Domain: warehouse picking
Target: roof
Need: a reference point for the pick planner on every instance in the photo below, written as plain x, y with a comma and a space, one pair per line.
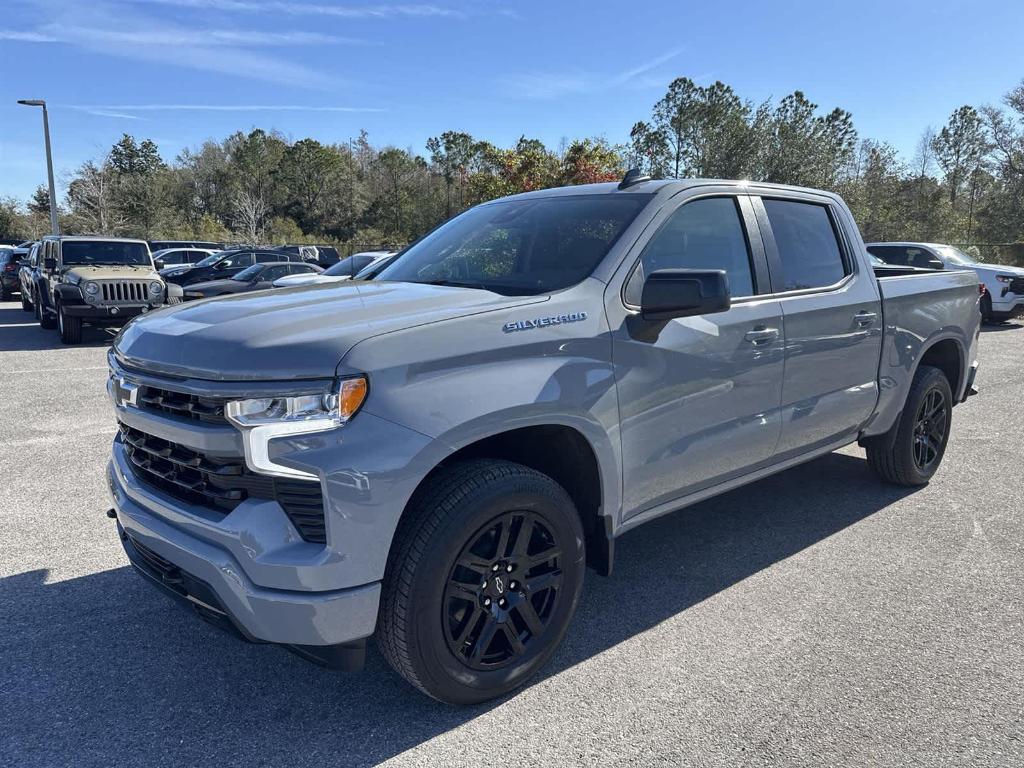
95, 238
909, 244
662, 187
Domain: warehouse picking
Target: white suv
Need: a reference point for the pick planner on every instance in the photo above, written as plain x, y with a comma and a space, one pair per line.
1004, 286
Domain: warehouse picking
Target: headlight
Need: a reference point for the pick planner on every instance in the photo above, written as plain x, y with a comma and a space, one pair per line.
92, 288
156, 288
1005, 278
262, 419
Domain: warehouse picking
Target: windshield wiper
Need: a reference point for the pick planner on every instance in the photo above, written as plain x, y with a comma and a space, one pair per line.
455, 284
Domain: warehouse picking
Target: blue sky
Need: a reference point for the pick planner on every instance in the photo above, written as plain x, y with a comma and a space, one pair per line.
181, 71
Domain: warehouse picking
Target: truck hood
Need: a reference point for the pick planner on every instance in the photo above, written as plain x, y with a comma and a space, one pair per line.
75, 273
999, 269
290, 333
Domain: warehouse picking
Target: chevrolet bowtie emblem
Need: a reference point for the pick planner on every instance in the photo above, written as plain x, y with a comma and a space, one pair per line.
126, 393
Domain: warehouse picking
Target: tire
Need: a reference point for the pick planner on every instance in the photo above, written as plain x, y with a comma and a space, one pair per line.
910, 453
26, 303
45, 321
70, 328
447, 617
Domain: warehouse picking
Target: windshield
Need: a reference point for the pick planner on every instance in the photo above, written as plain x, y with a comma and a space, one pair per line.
370, 272
956, 256
99, 252
249, 273
213, 258
346, 266
520, 247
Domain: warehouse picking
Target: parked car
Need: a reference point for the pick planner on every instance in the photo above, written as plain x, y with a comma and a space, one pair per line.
203, 245
99, 281
180, 257
222, 264
10, 261
258, 277
436, 455
28, 273
346, 269
1004, 286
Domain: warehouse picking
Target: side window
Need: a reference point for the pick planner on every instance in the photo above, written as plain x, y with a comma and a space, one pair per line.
702, 234
808, 248
890, 254
272, 273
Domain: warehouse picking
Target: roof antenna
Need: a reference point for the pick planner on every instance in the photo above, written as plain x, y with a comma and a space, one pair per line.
633, 176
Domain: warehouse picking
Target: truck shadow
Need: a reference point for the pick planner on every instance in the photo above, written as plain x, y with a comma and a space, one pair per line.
19, 332
102, 669
994, 328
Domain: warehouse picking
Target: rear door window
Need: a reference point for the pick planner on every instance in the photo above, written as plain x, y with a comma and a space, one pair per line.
808, 248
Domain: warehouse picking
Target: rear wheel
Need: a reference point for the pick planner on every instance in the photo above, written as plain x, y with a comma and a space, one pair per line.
70, 327
485, 574
26, 302
912, 450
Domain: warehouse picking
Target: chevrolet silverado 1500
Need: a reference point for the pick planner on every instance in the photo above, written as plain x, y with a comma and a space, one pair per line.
435, 456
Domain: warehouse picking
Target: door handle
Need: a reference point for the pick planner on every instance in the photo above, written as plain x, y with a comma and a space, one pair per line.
760, 336
864, 319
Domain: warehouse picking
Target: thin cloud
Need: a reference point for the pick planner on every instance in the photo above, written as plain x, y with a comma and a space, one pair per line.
27, 37
631, 74
126, 31
414, 10
549, 85
100, 112
182, 37
126, 108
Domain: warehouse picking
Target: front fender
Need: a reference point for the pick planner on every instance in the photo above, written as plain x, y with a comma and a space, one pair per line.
68, 294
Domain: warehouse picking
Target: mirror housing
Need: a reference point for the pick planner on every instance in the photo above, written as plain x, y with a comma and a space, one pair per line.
934, 263
50, 264
671, 293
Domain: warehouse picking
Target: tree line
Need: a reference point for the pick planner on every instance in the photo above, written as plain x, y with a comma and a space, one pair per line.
964, 184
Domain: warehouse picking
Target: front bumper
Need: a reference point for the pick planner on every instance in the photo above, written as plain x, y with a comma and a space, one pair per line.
212, 580
105, 315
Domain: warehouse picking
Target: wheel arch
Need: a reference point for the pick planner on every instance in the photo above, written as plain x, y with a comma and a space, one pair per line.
561, 451
948, 355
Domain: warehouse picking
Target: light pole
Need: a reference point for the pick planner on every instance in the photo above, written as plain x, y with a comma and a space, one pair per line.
54, 227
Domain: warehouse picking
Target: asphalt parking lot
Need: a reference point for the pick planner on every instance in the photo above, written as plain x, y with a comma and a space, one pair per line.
815, 618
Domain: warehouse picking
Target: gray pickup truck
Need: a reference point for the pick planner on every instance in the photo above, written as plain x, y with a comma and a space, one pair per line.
434, 457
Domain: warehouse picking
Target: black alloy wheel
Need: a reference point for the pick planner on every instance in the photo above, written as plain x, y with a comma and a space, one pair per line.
930, 429
502, 591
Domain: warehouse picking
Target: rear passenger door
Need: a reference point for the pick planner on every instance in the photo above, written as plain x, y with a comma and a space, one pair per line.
832, 318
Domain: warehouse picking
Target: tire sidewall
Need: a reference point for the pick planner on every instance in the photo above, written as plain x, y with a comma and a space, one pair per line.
442, 673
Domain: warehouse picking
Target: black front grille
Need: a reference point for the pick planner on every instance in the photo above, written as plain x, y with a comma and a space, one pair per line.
209, 409
125, 291
221, 484
1017, 285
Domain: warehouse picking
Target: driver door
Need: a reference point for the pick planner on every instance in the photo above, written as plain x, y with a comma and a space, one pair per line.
699, 397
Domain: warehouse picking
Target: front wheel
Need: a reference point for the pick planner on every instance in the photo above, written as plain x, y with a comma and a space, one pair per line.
45, 321
70, 327
911, 451
483, 579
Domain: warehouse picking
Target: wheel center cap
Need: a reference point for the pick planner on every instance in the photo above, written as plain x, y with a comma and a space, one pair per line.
499, 585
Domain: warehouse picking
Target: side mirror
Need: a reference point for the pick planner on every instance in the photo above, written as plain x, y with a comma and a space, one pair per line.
50, 264
934, 263
670, 293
